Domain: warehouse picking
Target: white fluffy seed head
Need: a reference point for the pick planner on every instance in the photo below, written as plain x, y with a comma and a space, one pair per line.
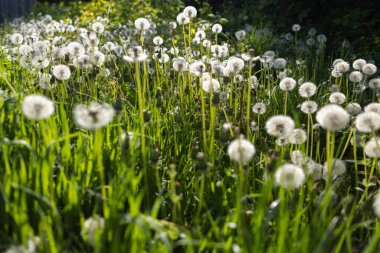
297, 136
289, 176
217, 28
210, 84
142, 24
367, 122
61, 72
182, 19
92, 226
75, 49
372, 107
307, 89
179, 64
372, 148
190, 12
98, 27
358, 64
333, 117
374, 83
337, 98
235, 64
279, 63
287, 84
37, 107
338, 168
240, 35
369, 69
314, 169
259, 108
296, 28
279, 125
355, 76
241, 150
309, 107
94, 116
299, 158
342, 67
158, 41
376, 205
16, 39
353, 108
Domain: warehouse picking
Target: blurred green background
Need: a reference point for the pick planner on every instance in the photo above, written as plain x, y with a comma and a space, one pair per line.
356, 23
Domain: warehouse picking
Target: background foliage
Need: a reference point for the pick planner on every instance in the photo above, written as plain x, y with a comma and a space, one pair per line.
354, 21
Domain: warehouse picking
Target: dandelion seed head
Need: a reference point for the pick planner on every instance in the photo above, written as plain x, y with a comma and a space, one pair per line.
374, 83
367, 122
98, 58
289, 176
279, 63
338, 168
75, 49
197, 68
342, 67
94, 116
355, 76
353, 109
44, 81
282, 141
333, 117
240, 35
312, 31
241, 150
299, 158
297, 136
296, 28
210, 84
190, 12
359, 64
307, 89
376, 205
98, 27
235, 64
314, 169
279, 125
37, 107
179, 64
309, 107
287, 84
217, 28
289, 36
158, 41
16, 39
135, 54
369, 69
372, 107
310, 42
40, 62
61, 72
372, 148
91, 226
182, 19
142, 24
337, 98
335, 73
26, 50
259, 108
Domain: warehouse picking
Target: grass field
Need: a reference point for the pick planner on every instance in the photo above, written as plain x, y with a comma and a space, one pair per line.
177, 136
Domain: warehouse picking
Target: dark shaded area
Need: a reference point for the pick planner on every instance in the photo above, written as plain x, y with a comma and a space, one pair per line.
356, 21
14, 8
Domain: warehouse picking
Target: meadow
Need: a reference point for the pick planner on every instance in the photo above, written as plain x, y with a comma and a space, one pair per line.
178, 136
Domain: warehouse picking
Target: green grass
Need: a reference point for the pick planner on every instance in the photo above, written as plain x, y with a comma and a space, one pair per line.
153, 188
